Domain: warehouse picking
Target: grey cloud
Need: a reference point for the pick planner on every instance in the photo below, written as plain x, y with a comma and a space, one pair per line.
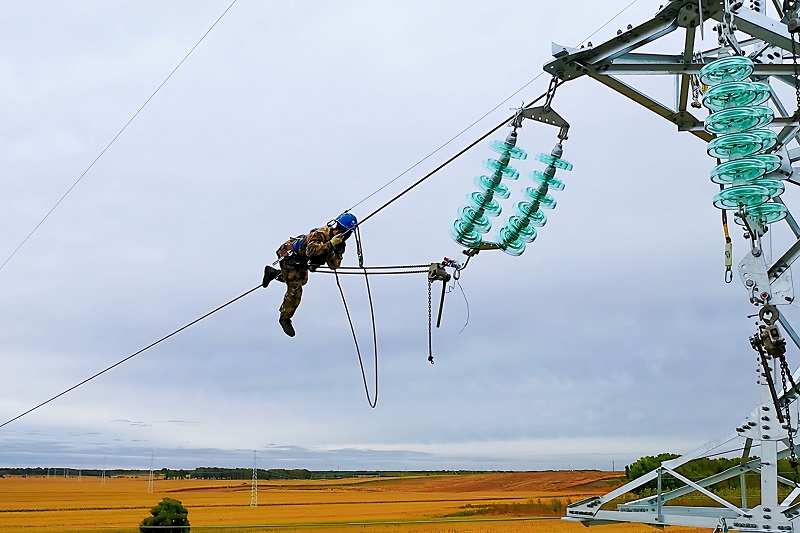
614, 324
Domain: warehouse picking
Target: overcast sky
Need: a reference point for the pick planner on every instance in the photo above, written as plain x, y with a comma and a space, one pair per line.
613, 336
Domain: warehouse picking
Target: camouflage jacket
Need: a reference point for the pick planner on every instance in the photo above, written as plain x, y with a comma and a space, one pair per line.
314, 248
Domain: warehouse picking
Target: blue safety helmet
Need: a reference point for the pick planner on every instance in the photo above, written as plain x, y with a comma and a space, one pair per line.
347, 221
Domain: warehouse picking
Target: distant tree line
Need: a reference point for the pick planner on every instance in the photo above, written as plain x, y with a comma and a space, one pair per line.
695, 470
71, 472
213, 472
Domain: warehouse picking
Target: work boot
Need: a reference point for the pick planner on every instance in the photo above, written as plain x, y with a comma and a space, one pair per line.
269, 274
286, 324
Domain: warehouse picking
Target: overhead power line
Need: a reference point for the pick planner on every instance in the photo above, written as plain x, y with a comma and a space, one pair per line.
131, 356
373, 213
96, 159
460, 133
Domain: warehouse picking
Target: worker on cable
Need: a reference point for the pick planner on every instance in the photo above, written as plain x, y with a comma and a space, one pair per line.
300, 254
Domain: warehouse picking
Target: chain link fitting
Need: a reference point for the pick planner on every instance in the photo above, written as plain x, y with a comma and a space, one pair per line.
430, 320
771, 345
794, 71
551, 92
787, 414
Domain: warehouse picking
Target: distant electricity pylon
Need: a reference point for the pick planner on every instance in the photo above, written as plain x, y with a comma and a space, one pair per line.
254, 490
103, 475
150, 481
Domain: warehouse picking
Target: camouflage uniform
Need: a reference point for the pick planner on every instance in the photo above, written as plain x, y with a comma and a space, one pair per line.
316, 249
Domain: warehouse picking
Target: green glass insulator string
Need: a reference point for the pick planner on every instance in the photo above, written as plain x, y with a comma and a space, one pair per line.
520, 229
472, 221
740, 123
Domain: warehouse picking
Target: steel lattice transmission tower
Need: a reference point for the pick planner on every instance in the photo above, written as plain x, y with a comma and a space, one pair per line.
765, 35
254, 489
151, 480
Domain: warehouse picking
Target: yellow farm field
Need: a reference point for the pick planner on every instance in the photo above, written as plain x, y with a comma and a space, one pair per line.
502, 502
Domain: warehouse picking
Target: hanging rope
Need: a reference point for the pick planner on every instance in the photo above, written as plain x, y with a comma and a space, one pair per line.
120, 132
440, 167
466, 302
506, 121
372, 402
162, 339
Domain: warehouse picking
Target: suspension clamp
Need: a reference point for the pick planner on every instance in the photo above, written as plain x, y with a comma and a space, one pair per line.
544, 113
774, 343
516, 122
551, 92
791, 17
727, 29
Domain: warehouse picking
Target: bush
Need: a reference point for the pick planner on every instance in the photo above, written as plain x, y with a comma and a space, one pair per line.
168, 512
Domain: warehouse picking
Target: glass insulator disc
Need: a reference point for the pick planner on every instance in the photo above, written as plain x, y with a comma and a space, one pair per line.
479, 200
746, 169
555, 161
738, 119
763, 91
735, 68
471, 217
545, 200
510, 245
503, 148
521, 227
464, 235
730, 94
746, 195
774, 187
771, 161
509, 173
486, 184
768, 138
535, 218
552, 182
735, 145
769, 212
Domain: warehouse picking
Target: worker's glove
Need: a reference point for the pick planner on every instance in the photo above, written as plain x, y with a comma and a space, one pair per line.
337, 240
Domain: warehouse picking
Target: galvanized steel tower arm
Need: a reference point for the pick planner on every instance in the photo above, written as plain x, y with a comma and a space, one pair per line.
767, 44
571, 63
617, 56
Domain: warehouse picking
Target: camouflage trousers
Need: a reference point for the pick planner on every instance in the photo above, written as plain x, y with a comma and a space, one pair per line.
294, 277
